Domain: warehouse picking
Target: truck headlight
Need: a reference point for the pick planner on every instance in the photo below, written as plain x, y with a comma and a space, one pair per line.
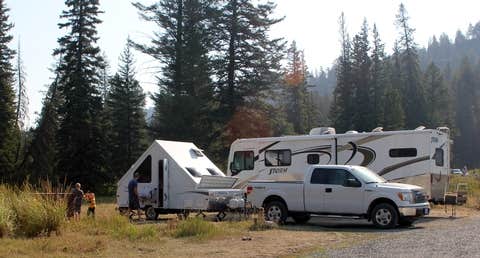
406, 196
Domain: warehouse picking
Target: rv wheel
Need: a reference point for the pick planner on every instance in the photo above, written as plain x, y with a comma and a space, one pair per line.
276, 211
150, 213
384, 216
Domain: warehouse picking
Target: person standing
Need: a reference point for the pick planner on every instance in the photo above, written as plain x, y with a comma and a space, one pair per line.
90, 197
77, 200
133, 200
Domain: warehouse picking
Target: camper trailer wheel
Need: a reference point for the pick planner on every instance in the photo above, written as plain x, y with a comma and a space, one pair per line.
384, 216
151, 213
276, 211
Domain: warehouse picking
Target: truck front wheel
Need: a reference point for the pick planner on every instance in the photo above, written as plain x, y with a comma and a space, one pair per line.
384, 216
276, 211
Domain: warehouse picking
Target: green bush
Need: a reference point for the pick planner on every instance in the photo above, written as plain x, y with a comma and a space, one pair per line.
195, 227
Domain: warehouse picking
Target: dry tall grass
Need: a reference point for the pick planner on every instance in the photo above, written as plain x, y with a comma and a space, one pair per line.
473, 182
24, 212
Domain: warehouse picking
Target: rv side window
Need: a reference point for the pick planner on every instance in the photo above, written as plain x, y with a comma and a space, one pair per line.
145, 170
439, 157
243, 160
313, 159
278, 158
403, 152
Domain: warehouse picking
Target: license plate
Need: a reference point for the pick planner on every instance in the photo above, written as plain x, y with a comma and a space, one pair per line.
426, 211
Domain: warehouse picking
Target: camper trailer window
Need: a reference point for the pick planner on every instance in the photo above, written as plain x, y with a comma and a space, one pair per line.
145, 170
278, 158
243, 160
213, 172
194, 172
439, 157
403, 152
313, 159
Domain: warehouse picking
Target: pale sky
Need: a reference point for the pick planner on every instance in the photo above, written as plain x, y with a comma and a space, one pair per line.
312, 23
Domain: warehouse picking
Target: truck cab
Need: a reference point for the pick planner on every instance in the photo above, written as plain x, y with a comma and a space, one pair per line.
342, 191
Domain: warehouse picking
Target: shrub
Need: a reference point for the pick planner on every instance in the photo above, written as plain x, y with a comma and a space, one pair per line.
25, 213
195, 227
6, 223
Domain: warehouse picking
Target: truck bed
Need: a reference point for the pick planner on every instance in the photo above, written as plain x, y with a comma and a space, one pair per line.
290, 191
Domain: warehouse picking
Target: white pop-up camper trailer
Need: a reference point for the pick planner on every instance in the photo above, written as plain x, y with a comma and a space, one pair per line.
176, 177
419, 156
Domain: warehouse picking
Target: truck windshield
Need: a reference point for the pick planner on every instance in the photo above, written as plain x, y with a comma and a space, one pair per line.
369, 176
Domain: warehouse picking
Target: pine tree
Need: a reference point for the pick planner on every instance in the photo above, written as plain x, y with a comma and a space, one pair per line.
393, 115
296, 93
21, 116
465, 149
438, 101
361, 62
8, 128
185, 87
413, 92
125, 104
379, 79
42, 159
248, 61
80, 138
343, 105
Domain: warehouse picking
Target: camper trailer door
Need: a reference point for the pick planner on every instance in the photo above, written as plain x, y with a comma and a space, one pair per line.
162, 193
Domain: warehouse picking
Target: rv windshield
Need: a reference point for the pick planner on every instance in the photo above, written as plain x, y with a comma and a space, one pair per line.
369, 176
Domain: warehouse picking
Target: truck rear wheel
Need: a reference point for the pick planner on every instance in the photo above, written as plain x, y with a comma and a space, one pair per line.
384, 216
301, 218
276, 211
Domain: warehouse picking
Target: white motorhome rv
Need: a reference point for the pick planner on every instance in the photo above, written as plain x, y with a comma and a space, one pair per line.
176, 177
419, 157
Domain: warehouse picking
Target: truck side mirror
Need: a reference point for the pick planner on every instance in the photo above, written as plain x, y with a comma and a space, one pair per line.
352, 182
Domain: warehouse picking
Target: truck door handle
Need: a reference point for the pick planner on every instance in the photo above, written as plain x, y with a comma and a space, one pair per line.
328, 190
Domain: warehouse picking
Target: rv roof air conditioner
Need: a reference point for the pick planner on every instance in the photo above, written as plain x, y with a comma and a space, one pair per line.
420, 128
377, 129
351, 131
443, 129
322, 130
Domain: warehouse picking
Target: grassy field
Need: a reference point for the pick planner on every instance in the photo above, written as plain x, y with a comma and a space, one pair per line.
112, 235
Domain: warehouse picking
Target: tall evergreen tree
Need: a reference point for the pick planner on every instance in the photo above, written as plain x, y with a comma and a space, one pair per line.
413, 90
465, 149
297, 97
21, 116
343, 107
185, 87
8, 128
379, 79
248, 61
438, 97
361, 62
41, 156
80, 138
125, 104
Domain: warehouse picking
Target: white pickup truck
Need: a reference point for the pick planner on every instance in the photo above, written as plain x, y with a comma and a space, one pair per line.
340, 190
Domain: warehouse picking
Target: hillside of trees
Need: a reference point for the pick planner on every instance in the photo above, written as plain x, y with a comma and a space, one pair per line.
223, 77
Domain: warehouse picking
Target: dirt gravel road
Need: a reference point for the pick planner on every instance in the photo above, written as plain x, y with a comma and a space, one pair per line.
431, 237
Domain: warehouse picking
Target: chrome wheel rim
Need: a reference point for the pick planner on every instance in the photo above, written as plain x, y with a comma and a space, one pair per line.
274, 213
383, 217
151, 213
